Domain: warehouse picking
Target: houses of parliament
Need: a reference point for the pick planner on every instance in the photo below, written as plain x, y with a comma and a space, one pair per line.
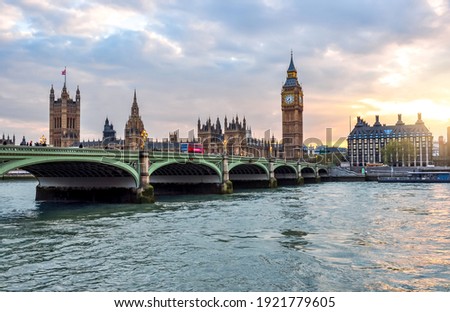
233, 138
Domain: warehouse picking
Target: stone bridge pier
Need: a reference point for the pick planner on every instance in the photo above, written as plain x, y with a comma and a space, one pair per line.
145, 192
227, 186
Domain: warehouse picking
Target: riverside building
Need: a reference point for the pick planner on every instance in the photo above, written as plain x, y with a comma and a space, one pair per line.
134, 127
444, 150
234, 138
398, 145
64, 120
292, 114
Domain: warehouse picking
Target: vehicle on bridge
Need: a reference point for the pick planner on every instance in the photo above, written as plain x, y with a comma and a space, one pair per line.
191, 148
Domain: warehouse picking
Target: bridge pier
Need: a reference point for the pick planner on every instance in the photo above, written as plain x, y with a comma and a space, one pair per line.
300, 179
272, 180
318, 178
145, 192
227, 186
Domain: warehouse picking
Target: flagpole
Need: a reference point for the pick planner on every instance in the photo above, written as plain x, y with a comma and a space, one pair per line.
65, 75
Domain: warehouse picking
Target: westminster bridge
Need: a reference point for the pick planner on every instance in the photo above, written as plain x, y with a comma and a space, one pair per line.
135, 176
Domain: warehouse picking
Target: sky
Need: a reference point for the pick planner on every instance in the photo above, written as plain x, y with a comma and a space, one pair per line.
204, 58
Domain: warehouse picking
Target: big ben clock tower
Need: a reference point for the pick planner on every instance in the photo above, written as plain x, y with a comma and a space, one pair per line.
292, 114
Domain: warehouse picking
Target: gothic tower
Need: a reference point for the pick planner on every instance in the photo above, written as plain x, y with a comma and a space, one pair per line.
292, 114
134, 127
235, 136
64, 122
210, 135
109, 134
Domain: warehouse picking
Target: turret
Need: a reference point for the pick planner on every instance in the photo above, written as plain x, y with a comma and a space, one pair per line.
64, 93
291, 79
134, 107
292, 72
52, 95
78, 94
218, 126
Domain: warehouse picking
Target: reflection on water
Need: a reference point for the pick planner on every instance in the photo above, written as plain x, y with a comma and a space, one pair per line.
325, 237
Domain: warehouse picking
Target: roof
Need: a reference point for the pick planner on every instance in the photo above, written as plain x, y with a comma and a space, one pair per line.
364, 130
291, 64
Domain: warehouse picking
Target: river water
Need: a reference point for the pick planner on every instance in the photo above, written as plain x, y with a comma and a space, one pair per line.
360, 236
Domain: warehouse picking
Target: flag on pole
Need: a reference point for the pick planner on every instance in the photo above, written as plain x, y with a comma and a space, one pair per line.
63, 72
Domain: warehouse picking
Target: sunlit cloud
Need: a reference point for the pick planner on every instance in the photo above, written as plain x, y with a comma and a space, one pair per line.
401, 63
12, 23
100, 21
155, 40
190, 59
440, 7
431, 110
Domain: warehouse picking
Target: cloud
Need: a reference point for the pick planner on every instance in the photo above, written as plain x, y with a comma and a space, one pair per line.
190, 59
12, 23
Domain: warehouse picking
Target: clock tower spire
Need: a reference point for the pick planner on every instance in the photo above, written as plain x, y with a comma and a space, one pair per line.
292, 114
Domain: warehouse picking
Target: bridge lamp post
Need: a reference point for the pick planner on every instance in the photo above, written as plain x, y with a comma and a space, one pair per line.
225, 147
144, 136
145, 193
43, 141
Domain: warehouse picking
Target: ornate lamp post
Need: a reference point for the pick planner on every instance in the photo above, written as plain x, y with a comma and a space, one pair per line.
144, 136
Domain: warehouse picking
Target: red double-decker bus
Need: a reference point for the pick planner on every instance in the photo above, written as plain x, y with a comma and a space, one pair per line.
191, 148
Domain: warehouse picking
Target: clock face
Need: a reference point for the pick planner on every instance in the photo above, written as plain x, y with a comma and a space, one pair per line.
289, 99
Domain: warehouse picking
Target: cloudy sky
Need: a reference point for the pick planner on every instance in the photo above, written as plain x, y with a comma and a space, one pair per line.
205, 58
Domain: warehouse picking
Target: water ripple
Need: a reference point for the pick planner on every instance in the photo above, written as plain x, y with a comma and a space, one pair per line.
325, 237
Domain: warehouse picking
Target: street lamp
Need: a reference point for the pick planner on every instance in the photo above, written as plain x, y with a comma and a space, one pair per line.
144, 136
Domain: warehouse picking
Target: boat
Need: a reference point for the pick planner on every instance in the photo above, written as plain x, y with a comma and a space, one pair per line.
419, 177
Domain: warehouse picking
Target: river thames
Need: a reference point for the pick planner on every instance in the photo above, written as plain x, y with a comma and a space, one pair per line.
360, 236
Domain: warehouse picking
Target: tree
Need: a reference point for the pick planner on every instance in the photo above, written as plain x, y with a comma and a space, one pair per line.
398, 153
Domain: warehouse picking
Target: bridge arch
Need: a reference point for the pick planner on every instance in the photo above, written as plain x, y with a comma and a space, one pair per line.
285, 172
308, 172
184, 172
323, 172
246, 171
76, 172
